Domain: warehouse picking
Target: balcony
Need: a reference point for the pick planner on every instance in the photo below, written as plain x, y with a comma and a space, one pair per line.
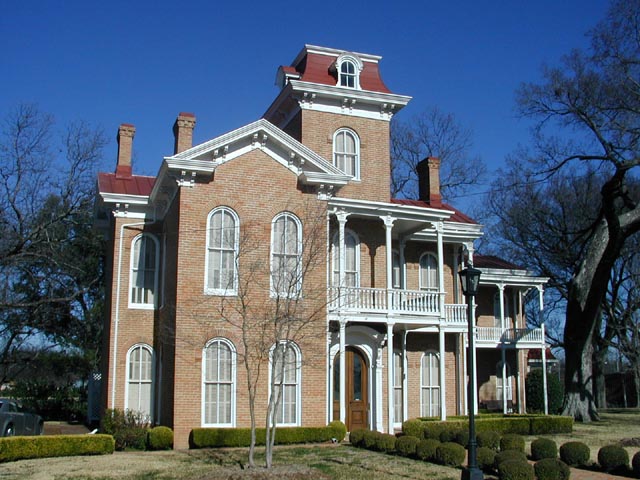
523, 337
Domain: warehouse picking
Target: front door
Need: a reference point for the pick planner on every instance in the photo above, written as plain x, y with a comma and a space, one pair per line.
357, 387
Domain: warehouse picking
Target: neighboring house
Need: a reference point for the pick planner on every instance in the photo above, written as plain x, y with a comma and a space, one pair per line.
387, 337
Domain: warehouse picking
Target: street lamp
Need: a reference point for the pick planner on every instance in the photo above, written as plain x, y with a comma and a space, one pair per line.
470, 280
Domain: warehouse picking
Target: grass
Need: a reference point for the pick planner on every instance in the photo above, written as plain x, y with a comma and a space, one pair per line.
340, 462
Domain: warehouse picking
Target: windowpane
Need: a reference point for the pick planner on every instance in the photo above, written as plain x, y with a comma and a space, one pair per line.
430, 385
218, 383
285, 255
221, 250
351, 267
345, 152
143, 270
286, 382
139, 382
428, 272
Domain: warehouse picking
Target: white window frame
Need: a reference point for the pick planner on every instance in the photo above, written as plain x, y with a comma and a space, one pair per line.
234, 288
335, 258
298, 383
140, 305
292, 293
398, 386
421, 269
355, 76
232, 348
355, 154
499, 385
139, 382
430, 410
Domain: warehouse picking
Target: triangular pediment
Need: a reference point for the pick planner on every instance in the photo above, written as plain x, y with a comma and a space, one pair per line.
307, 165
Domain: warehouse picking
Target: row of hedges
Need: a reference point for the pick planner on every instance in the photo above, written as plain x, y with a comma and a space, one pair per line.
131, 431
523, 425
19, 448
241, 437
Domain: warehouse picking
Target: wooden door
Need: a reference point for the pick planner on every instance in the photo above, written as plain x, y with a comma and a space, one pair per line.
357, 386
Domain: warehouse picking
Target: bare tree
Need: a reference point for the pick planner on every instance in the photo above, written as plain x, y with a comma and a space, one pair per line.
49, 256
434, 133
593, 99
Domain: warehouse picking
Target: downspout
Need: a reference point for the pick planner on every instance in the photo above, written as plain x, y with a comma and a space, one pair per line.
116, 319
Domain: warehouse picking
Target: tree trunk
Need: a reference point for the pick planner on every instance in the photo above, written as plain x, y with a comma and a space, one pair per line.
600, 390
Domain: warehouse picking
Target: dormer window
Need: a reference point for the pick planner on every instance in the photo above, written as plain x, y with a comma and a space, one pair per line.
348, 69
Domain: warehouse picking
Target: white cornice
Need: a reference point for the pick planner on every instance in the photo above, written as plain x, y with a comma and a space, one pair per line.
366, 96
123, 198
334, 52
404, 212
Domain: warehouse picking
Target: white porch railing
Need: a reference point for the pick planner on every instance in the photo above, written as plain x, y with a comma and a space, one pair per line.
509, 335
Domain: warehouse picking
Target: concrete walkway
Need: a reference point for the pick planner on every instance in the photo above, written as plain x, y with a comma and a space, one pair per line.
64, 428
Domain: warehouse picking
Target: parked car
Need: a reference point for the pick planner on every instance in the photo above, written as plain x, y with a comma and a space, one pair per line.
14, 420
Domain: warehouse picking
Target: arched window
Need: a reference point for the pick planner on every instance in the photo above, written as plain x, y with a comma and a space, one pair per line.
144, 271
285, 379
398, 376
348, 68
430, 385
351, 259
139, 389
428, 272
286, 255
218, 383
223, 228
346, 152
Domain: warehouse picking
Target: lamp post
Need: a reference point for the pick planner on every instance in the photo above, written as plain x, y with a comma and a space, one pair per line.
469, 280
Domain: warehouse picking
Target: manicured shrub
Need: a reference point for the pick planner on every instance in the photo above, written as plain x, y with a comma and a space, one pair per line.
486, 458
426, 449
450, 454
635, 464
535, 392
515, 470
384, 442
356, 437
338, 430
551, 469
160, 438
575, 454
128, 428
549, 424
407, 445
370, 438
613, 458
414, 428
489, 439
543, 448
508, 455
512, 441
241, 437
18, 448
462, 438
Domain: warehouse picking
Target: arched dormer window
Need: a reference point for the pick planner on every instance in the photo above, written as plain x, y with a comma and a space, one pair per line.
346, 152
145, 254
348, 68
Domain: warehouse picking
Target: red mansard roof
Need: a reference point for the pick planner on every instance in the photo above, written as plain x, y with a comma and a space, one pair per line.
125, 185
456, 217
491, 261
316, 68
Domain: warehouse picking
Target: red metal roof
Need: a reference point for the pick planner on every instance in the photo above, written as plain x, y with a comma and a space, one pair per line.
316, 68
491, 261
456, 217
125, 185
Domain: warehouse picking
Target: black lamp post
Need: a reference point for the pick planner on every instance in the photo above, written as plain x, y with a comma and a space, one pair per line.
470, 280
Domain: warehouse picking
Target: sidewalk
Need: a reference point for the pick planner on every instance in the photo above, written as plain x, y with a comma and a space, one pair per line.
578, 474
64, 428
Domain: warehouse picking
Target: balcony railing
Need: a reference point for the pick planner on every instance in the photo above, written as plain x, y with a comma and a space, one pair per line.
508, 335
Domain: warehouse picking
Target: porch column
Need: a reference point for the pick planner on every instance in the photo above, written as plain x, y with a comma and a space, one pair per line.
442, 379
403, 267
390, 376
503, 373
342, 221
518, 381
439, 235
343, 372
544, 374
405, 382
388, 226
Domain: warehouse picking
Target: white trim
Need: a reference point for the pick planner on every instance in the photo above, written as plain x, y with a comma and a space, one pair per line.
296, 349
136, 305
149, 349
203, 367
234, 289
397, 420
298, 273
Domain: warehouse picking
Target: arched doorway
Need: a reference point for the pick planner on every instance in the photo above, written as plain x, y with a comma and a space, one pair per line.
357, 389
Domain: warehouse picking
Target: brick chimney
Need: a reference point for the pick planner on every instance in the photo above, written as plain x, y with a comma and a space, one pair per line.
125, 136
183, 132
428, 171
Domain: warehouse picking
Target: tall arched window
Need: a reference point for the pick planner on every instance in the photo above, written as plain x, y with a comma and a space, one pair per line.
286, 255
346, 152
218, 383
503, 388
222, 250
139, 390
430, 385
285, 373
351, 259
428, 272
144, 271
398, 376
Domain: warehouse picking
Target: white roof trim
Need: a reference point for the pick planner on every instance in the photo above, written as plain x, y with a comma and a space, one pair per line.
400, 212
367, 96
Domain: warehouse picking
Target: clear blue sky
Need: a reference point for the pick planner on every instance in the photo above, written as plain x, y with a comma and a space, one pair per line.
142, 62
